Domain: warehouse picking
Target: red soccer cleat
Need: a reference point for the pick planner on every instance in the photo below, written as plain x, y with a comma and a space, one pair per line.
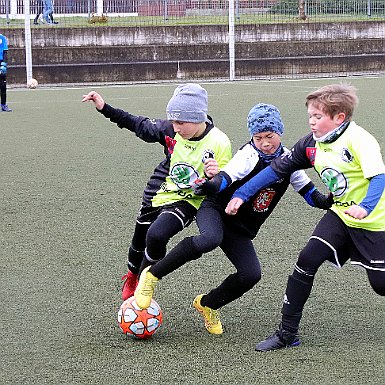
129, 285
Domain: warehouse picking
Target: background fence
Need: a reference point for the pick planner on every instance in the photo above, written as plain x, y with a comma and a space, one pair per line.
147, 40
150, 12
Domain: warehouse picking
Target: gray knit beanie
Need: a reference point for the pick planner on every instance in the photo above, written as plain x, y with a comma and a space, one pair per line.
188, 104
264, 117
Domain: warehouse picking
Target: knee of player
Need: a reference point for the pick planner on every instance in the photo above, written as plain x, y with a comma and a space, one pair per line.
249, 278
306, 255
207, 242
155, 237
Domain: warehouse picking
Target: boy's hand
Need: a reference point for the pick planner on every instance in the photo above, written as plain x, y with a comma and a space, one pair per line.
3, 68
233, 206
357, 212
203, 186
211, 167
321, 201
94, 97
198, 186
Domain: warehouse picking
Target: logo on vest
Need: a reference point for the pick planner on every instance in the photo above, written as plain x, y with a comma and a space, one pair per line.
262, 202
183, 175
334, 181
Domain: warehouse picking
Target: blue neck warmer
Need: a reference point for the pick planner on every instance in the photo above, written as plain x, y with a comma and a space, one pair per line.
268, 158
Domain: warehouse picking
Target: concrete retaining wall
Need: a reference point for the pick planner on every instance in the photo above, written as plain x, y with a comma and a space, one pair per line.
126, 54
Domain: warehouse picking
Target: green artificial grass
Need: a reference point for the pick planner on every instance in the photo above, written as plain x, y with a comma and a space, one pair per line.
71, 185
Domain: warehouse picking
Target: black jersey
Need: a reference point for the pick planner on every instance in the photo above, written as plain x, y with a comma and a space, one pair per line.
150, 131
252, 214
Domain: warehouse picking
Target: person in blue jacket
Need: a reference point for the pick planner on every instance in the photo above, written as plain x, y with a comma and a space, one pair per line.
3, 73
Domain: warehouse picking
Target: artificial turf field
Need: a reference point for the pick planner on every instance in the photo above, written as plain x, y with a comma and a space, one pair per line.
71, 185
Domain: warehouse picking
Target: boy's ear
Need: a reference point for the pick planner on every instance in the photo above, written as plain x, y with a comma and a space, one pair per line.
340, 117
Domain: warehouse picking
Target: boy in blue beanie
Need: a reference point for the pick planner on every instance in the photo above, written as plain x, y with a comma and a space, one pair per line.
235, 234
189, 138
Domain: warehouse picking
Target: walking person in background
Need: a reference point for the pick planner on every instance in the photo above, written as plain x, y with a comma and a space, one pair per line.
40, 11
348, 159
47, 11
3, 73
70, 6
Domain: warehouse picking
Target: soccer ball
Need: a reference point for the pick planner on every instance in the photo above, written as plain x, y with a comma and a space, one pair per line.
137, 322
32, 83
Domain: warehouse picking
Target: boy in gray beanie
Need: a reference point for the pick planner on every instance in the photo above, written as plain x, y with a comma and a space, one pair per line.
189, 139
234, 234
188, 104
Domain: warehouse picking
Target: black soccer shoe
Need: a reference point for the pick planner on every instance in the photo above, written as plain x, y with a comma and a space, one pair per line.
279, 340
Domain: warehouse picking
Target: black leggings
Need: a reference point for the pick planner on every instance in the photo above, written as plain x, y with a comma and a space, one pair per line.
159, 233
155, 226
300, 283
315, 253
153, 238
238, 248
3, 88
210, 224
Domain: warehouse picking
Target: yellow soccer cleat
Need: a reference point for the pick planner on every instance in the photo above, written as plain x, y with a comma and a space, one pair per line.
212, 322
145, 289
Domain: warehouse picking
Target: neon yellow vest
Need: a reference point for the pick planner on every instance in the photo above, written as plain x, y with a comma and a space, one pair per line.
345, 167
187, 164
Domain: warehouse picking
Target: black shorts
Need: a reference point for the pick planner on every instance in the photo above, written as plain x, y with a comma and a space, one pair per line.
363, 247
183, 210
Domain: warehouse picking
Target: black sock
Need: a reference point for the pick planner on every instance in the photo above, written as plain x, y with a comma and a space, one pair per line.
296, 295
145, 263
134, 260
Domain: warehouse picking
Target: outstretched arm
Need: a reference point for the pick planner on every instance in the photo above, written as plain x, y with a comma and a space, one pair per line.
263, 179
93, 96
239, 166
214, 185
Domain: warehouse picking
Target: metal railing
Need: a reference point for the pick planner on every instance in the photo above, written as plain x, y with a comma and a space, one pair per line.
151, 12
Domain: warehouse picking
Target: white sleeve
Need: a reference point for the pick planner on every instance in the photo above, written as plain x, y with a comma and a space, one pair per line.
299, 179
242, 163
